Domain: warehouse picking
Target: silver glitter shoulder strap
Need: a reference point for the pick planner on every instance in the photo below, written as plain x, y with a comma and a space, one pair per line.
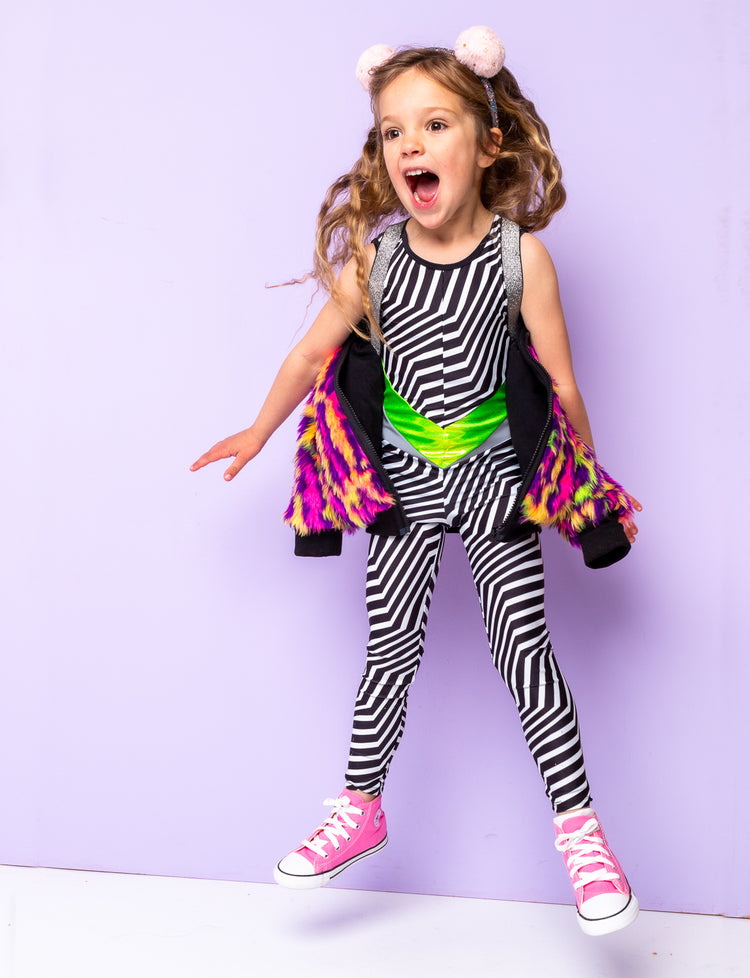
383, 256
510, 245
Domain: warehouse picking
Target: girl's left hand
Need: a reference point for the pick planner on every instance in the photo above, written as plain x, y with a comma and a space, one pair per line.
628, 522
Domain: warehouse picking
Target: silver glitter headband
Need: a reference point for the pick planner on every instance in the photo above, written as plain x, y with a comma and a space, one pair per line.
487, 87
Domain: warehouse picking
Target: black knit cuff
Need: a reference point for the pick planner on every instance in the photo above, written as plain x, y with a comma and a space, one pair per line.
325, 544
604, 544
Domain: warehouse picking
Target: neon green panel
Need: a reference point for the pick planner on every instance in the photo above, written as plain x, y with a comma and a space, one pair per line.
444, 446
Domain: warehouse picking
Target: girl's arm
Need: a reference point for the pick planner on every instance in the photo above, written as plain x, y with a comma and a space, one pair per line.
295, 377
543, 316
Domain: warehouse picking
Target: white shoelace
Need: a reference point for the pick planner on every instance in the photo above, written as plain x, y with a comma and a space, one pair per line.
335, 826
581, 848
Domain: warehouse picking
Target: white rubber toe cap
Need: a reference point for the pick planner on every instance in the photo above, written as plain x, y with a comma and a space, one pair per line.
297, 873
607, 913
604, 905
296, 865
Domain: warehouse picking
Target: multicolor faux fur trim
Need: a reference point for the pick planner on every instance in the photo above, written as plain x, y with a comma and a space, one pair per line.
335, 486
571, 491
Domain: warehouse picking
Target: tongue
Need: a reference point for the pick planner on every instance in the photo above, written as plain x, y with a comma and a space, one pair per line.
427, 186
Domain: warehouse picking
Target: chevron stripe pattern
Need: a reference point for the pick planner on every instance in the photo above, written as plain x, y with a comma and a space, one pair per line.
509, 579
430, 493
510, 582
446, 347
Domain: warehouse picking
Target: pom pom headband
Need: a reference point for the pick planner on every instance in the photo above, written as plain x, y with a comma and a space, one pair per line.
479, 48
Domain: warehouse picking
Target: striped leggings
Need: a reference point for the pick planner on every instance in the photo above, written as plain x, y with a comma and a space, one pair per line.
509, 578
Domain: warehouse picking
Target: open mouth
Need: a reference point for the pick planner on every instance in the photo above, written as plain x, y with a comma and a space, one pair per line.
423, 185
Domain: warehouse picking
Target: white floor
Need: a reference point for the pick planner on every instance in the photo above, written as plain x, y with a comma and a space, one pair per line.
66, 924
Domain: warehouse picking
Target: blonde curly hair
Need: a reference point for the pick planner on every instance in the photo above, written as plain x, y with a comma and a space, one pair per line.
523, 184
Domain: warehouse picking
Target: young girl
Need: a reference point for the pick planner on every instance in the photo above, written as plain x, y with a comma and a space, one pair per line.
436, 388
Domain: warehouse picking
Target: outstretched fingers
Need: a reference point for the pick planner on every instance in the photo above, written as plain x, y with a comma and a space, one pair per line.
628, 523
241, 447
240, 461
212, 455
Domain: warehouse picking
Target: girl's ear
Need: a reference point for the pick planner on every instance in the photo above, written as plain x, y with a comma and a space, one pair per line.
491, 148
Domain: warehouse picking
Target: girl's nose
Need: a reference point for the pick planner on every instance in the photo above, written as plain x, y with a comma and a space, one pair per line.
411, 145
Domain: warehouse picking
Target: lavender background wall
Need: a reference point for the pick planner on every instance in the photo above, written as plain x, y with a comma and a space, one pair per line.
176, 686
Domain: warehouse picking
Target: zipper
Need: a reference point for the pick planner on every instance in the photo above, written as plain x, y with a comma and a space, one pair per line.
369, 449
536, 458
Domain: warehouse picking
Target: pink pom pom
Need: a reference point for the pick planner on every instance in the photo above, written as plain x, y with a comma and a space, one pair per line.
481, 50
370, 59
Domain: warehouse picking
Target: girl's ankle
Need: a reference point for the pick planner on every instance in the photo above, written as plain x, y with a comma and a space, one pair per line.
367, 798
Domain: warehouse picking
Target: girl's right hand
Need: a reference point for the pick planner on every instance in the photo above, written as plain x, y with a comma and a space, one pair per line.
296, 377
242, 447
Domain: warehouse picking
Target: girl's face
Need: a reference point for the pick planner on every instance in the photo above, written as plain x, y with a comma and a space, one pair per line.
431, 152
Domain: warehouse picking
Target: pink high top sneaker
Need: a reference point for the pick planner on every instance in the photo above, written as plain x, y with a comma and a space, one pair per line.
354, 829
603, 896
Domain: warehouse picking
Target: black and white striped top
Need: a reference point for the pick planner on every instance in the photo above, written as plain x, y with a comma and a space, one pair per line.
445, 329
446, 332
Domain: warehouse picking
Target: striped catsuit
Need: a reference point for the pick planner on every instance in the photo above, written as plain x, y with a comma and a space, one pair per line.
445, 328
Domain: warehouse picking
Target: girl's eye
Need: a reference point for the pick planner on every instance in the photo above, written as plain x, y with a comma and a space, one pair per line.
390, 134
435, 126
